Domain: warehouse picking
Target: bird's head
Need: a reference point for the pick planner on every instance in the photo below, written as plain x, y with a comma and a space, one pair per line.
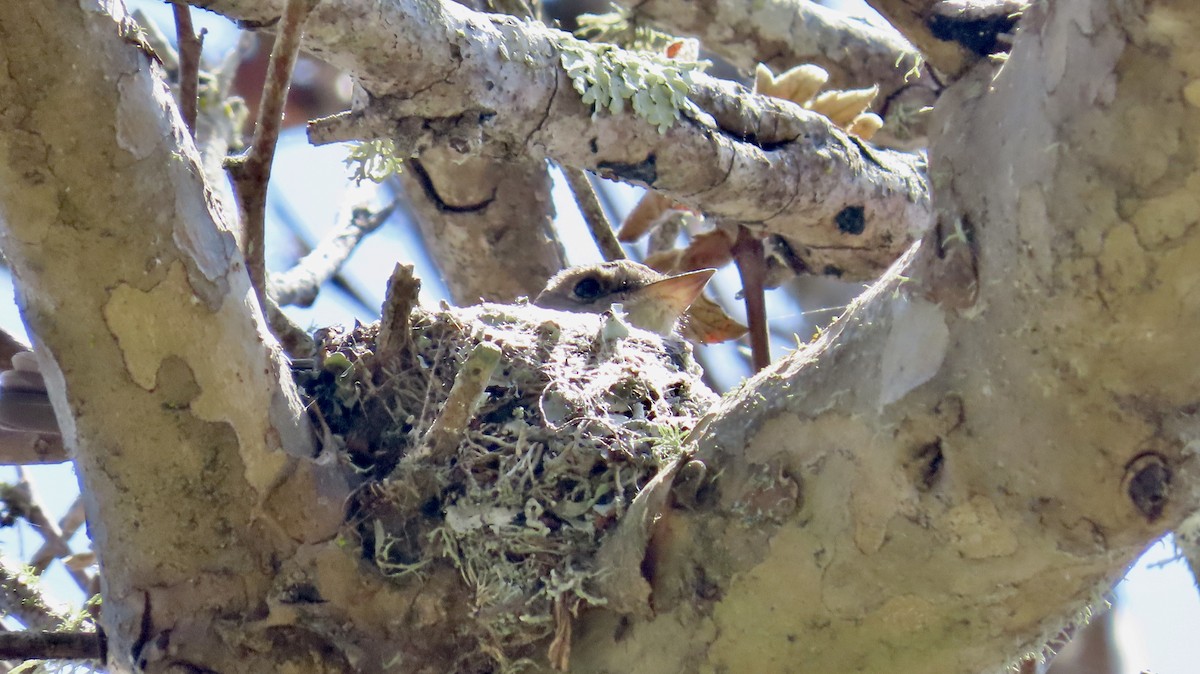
652, 301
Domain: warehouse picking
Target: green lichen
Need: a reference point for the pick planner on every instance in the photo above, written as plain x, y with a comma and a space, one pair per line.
623, 28
374, 160
607, 78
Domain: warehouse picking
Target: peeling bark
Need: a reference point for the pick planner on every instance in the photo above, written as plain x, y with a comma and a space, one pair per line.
186, 431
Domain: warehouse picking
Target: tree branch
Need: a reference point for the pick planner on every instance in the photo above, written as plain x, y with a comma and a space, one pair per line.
51, 645
163, 378
23, 499
252, 172
787, 33
487, 223
22, 600
847, 208
953, 34
190, 47
67, 526
593, 214
300, 284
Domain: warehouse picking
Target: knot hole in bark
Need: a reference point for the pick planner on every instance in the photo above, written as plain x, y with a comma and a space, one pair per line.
1148, 484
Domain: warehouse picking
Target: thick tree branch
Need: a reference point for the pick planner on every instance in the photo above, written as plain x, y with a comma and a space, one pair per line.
182, 419
787, 33
954, 34
848, 209
487, 223
972, 479
20, 448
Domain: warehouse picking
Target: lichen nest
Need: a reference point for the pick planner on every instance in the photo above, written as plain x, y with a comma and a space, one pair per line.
578, 416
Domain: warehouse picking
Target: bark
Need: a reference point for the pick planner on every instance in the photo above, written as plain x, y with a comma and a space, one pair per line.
179, 413
487, 223
955, 469
787, 33
973, 479
848, 209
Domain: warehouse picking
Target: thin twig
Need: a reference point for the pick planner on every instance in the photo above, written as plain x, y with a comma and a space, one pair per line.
32, 512
52, 645
593, 213
67, 526
299, 285
296, 342
21, 599
190, 46
252, 171
752, 267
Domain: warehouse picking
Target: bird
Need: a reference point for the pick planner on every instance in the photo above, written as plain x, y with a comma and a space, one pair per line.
651, 300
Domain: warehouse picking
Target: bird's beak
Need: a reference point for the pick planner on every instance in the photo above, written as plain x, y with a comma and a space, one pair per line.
677, 293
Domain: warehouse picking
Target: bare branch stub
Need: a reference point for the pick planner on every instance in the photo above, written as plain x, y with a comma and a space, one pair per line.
447, 430
402, 292
252, 171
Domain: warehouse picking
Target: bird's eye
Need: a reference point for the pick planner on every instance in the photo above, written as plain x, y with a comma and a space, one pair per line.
588, 289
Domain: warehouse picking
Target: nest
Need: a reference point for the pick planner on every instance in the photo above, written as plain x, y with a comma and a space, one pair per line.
509, 442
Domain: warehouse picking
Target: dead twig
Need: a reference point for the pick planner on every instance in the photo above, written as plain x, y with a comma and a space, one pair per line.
593, 213
448, 428
751, 265
252, 171
401, 297
299, 285
52, 645
190, 46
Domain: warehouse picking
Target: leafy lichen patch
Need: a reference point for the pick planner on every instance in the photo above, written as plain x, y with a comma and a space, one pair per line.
608, 78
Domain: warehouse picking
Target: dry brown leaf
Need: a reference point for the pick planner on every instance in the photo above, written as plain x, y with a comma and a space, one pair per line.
707, 323
710, 249
842, 106
798, 84
643, 216
866, 125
